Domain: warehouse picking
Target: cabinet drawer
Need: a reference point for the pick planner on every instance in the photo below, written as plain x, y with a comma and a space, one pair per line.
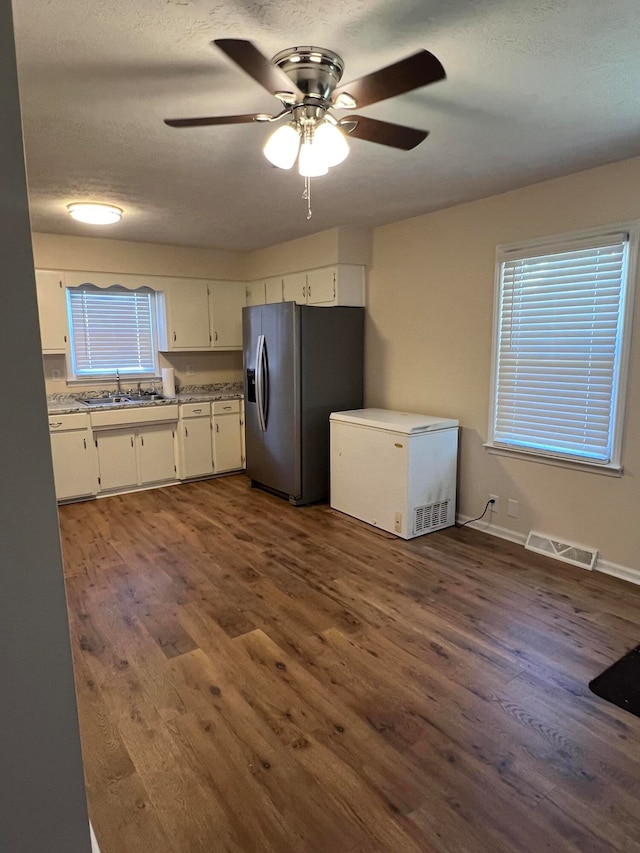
79, 420
223, 407
195, 410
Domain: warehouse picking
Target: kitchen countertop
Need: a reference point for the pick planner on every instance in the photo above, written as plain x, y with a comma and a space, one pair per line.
62, 404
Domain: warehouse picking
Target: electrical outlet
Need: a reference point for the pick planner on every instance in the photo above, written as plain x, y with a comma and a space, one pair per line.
494, 506
512, 508
397, 525
190, 370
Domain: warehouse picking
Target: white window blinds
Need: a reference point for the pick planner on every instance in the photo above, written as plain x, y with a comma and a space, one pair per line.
111, 330
558, 347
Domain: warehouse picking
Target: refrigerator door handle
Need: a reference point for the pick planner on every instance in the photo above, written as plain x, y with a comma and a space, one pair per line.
260, 382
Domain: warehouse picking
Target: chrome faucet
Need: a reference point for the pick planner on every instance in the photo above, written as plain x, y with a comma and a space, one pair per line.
118, 386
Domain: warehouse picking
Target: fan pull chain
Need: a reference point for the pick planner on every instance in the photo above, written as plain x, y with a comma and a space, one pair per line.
307, 195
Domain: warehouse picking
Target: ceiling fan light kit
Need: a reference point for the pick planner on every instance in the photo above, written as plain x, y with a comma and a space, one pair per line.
95, 213
305, 81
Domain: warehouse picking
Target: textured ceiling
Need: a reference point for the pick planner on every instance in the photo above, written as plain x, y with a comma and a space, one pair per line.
535, 89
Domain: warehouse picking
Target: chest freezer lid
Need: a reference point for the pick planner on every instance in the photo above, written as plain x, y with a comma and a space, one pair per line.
408, 423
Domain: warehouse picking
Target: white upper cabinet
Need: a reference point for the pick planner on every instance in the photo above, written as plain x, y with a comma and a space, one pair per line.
255, 293
226, 301
342, 284
273, 288
183, 316
294, 287
52, 310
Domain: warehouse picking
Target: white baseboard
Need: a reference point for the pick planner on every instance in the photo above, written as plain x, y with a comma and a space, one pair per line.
94, 843
625, 573
493, 529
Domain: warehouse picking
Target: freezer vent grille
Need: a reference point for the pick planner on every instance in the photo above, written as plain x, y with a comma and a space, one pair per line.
431, 516
585, 558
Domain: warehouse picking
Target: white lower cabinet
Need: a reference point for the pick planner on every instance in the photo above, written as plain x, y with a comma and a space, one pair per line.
227, 436
117, 459
210, 438
156, 454
73, 454
195, 456
128, 458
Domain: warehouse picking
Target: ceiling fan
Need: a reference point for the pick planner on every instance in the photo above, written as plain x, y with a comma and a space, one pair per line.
305, 80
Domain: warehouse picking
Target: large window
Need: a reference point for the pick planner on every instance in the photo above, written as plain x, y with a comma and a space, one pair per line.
560, 349
111, 330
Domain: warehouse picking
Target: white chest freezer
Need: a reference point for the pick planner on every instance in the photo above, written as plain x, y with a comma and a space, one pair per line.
395, 470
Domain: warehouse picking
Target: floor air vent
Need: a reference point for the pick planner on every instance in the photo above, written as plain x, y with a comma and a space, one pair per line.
431, 516
577, 555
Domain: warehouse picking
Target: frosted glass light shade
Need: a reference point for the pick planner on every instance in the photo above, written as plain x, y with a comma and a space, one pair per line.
281, 148
95, 214
312, 162
332, 142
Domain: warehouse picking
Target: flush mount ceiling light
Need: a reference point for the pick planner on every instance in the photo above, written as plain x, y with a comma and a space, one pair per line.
305, 81
94, 213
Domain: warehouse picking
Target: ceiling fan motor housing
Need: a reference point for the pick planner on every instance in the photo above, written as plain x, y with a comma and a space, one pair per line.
316, 71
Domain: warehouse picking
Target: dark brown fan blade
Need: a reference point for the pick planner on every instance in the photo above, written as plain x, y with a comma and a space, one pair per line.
411, 73
256, 65
203, 122
383, 132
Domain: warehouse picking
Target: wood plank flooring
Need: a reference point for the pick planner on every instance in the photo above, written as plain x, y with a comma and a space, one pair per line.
254, 677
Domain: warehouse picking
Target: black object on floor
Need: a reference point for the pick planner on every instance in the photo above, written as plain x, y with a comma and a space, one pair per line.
620, 683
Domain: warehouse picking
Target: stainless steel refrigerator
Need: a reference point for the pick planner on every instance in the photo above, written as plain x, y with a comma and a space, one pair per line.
301, 362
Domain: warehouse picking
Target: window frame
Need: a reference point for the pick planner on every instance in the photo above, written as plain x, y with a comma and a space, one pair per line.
110, 377
569, 241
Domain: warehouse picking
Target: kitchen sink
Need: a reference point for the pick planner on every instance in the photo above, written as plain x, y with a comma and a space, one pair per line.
118, 399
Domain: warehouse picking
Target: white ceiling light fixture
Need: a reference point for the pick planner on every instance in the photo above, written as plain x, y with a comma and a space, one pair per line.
94, 213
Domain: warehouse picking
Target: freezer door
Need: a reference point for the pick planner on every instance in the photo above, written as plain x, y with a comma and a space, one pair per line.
272, 370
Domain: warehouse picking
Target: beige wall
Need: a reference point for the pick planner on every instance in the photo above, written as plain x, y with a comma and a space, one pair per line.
96, 254
336, 246
429, 334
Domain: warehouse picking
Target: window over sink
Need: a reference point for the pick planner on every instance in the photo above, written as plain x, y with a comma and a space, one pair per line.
112, 330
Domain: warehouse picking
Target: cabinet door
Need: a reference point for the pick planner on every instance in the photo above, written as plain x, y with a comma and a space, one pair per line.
321, 286
273, 290
74, 467
187, 321
227, 442
52, 310
255, 293
195, 459
117, 459
156, 455
294, 288
226, 301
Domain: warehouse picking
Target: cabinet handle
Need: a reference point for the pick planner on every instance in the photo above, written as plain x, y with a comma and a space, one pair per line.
216, 335
186, 433
197, 411
174, 337
131, 441
84, 441
65, 339
304, 290
55, 424
217, 427
142, 440
309, 291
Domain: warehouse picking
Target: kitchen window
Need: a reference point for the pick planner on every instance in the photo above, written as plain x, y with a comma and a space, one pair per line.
562, 326
111, 330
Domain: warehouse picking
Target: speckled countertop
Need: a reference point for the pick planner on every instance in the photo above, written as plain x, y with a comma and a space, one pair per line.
62, 404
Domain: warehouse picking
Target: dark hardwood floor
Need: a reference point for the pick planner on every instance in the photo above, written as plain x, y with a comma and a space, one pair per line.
256, 677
